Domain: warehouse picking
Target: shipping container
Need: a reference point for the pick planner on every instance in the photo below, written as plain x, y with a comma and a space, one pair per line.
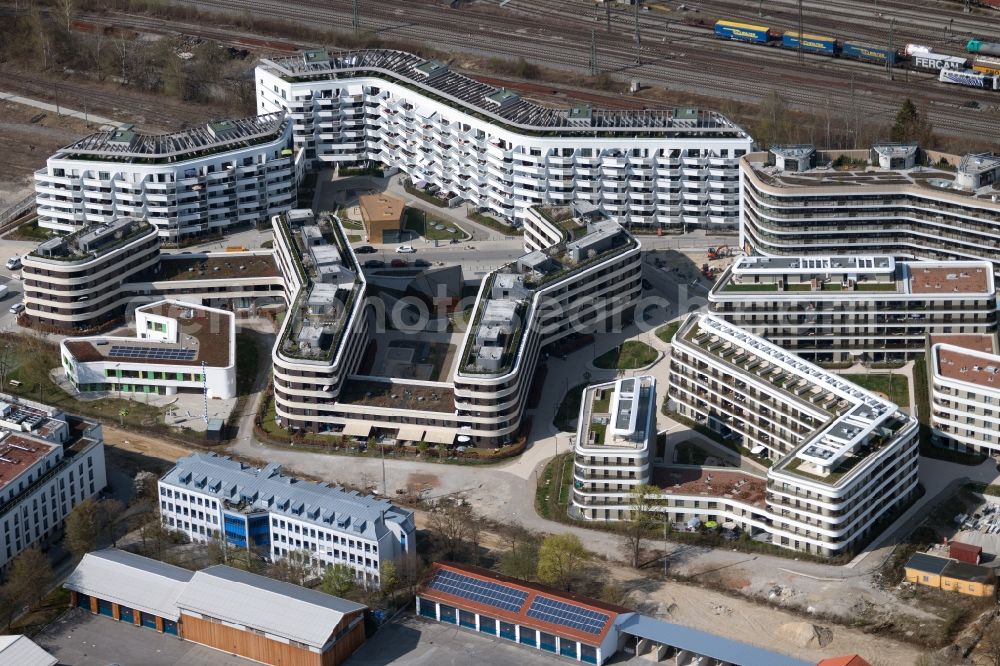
986, 65
810, 43
914, 49
966, 77
964, 552
937, 61
985, 48
868, 54
742, 32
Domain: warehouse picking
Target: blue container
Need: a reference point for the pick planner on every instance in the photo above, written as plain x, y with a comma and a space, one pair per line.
869, 54
741, 32
810, 43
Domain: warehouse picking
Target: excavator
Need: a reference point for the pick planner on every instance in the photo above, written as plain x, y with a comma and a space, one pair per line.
719, 252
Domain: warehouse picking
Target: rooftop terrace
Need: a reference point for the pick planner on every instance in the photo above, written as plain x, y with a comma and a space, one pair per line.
482, 99
218, 267
974, 342
93, 241
398, 395
19, 454
958, 278
711, 482
124, 144
974, 367
617, 414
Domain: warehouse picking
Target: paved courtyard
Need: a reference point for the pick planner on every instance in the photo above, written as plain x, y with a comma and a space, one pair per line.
81, 639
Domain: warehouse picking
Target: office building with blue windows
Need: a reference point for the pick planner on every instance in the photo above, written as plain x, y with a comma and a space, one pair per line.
212, 497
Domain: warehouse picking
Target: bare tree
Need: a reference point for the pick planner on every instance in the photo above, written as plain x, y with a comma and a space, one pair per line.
642, 517
67, 10
452, 526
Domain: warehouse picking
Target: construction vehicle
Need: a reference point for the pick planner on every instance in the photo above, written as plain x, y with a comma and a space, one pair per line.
708, 272
719, 252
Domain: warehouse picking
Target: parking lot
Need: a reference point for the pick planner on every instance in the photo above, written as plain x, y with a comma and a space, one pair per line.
81, 639
415, 641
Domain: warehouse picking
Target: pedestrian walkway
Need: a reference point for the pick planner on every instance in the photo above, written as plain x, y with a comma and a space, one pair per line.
102, 122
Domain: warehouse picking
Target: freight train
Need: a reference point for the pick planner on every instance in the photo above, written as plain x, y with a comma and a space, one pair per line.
984, 71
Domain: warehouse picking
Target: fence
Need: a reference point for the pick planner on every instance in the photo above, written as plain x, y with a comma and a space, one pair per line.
15, 211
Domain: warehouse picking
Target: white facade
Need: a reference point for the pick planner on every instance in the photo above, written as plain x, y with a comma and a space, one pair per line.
208, 497
842, 308
193, 182
965, 397
917, 213
615, 435
501, 153
845, 458
178, 346
47, 467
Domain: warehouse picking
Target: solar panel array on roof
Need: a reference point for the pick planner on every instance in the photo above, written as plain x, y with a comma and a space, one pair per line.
165, 354
567, 615
499, 596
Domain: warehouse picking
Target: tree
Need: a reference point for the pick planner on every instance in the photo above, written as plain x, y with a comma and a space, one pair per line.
561, 558
388, 578
338, 580
292, 568
642, 517
30, 577
911, 126
452, 525
521, 561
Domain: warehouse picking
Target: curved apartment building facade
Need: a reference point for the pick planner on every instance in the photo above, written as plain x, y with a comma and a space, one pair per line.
193, 182
898, 207
76, 282
501, 153
965, 394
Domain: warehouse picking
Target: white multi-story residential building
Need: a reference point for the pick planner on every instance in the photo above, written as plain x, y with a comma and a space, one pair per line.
857, 201
211, 497
504, 154
965, 393
846, 459
615, 437
197, 181
844, 308
178, 347
49, 463
570, 287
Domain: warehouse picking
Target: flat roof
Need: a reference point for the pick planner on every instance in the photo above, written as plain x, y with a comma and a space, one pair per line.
381, 207
982, 369
981, 342
398, 395
216, 267
960, 278
19, 454
711, 482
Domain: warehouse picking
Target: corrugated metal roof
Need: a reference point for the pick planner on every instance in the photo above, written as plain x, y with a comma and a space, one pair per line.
282, 609
22, 651
704, 643
130, 580
931, 564
268, 490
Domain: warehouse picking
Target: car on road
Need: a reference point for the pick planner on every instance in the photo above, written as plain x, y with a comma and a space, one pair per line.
421, 263
14, 263
17, 308
405, 249
365, 249
453, 241
374, 263
398, 263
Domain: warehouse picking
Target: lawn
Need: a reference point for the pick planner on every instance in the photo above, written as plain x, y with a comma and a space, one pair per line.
29, 231
667, 333
897, 387
553, 491
569, 408
629, 356
423, 224
750, 287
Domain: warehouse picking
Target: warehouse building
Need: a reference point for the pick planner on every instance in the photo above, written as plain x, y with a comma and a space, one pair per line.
908, 203
208, 496
570, 625
197, 181
178, 348
220, 607
22, 651
841, 308
487, 146
948, 574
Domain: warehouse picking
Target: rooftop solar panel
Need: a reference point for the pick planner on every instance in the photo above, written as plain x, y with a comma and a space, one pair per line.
567, 615
153, 353
483, 592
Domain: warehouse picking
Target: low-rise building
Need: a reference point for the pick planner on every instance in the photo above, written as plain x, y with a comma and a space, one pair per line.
615, 437
382, 216
49, 463
845, 459
178, 348
210, 497
856, 308
947, 574
227, 609
22, 651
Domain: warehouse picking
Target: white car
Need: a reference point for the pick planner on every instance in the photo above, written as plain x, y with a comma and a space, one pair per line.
17, 308
13, 263
405, 249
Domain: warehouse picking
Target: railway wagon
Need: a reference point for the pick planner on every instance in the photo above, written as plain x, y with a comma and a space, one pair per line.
981, 47
869, 54
986, 65
938, 61
969, 78
742, 32
810, 43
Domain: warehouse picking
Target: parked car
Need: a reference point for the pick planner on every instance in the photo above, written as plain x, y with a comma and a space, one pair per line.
365, 249
405, 249
398, 263
17, 308
374, 263
14, 263
421, 263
